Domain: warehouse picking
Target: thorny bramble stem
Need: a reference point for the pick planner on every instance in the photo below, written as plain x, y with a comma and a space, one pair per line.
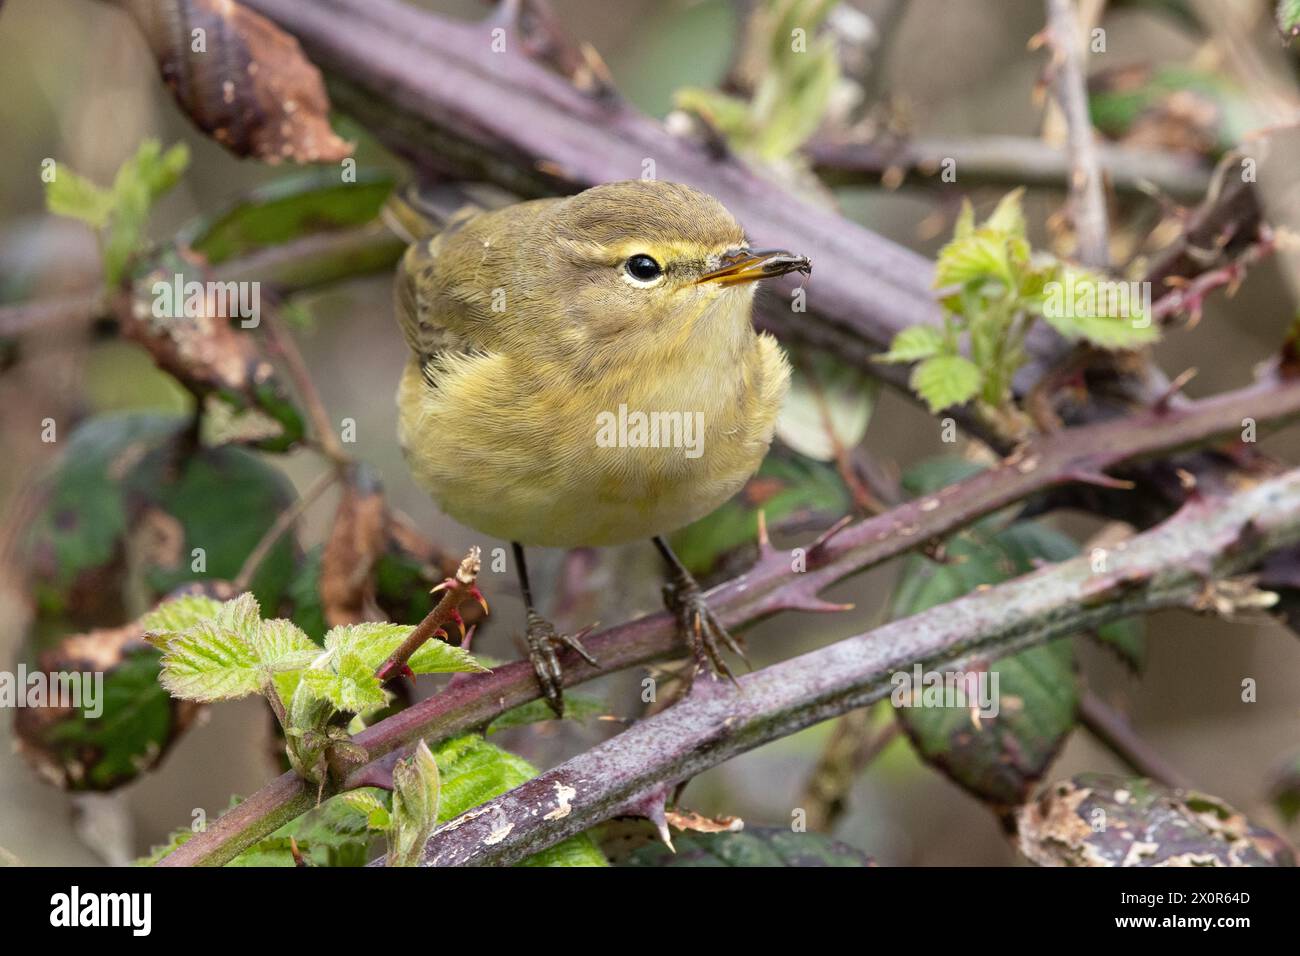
1073, 454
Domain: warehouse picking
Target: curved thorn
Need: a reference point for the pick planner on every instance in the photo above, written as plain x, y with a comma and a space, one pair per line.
825, 537
1101, 480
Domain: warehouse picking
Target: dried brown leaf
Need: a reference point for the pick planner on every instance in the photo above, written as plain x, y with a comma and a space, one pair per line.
241, 79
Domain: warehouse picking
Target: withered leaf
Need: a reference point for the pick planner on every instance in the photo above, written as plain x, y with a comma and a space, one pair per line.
1106, 820
355, 543
137, 725
241, 79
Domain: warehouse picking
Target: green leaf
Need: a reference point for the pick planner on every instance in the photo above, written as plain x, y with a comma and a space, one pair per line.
576, 707
794, 86
286, 209
348, 682
729, 115
119, 214
946, 380
368, 804
415, 807
281, 646
1105, 820
152, 171
373, 642
474, 771
1108, 314
913, 343
176, 615
1288, 18
333, 834
800, 105
976, 258
761, 846
439, 657
242, 615
370, 642
76, 197
175, 840
1008, 216
208, 662
996, 251
233, 653
965, 224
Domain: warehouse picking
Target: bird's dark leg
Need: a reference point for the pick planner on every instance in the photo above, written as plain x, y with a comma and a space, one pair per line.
703, 633
544, 642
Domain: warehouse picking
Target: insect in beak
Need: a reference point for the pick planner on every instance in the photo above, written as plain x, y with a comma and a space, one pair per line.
743, 265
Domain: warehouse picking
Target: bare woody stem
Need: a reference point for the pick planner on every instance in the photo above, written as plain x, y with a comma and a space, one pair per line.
1170, 566
287, 349
1076, 454
999, 160
1087, 192
1114, 732
281, 525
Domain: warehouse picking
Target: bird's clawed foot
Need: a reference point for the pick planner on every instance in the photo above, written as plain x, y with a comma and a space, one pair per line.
704, 634
543, 646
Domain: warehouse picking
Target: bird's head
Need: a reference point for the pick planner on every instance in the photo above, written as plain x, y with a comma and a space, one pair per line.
655, 260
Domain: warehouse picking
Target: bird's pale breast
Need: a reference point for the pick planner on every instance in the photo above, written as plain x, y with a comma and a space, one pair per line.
506, 452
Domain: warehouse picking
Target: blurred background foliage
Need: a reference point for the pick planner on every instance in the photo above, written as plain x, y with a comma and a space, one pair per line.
123, 497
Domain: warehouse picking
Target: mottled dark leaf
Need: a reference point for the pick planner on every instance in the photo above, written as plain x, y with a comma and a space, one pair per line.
138, 723
1105, 820
996, 757
304, 598
188, 326
579, 707
122, 512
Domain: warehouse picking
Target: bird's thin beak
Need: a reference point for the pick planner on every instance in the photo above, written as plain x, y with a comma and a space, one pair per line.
744, 265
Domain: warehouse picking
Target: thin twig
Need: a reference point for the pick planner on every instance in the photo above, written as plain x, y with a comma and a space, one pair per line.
1189, 296
855, 741
282, 523
1115, 733
283, 343
298, 265
1001, 161
1087, 191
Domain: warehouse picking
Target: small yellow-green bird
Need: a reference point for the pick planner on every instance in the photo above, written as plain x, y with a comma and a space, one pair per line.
584, 371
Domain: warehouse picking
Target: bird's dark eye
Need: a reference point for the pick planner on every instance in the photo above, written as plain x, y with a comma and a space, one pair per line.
643, 268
